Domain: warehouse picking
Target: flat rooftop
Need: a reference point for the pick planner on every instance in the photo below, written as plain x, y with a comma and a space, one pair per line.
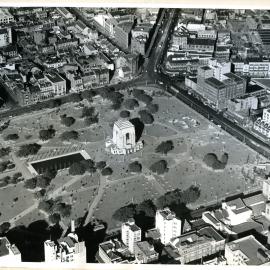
249, 246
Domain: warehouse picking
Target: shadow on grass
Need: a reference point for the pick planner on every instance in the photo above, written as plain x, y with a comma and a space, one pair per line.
139, 127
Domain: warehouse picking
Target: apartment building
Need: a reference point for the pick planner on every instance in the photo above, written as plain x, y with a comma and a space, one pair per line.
168, 225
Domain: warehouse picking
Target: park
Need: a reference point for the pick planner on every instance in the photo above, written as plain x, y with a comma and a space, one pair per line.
181, 149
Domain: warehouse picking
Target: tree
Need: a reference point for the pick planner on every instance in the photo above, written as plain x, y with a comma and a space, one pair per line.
4, 151
146, 117
77, 168
28, 149
46, 134
107, 171
224, 158
147, 207
31, 183
152, 108
135, 167
116, 105
46, 206
54, 218
53, 103
12, 137
50, 173
4, 227
40, 194
124, 114
65, 210
124, 213
42, 181
115, 97
211, 160
131, 104
67, 121
165, 147
88, 112
75, 97
159, 167
101, 165
137, 92
69, 135
88, 95
90, 120
145, 98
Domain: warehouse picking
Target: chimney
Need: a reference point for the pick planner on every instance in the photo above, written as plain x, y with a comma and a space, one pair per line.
72, 227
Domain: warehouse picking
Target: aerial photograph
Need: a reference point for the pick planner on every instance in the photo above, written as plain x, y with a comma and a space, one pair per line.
134, 136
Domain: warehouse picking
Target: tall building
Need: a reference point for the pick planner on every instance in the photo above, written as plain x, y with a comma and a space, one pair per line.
130, 234
168, 225
219, 91
66, 249
8, 253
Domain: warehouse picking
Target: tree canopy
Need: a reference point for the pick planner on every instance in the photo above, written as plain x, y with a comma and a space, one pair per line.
135, 167
146, 117
67, 120
28, 149
165, 147
107, 171
69, 135
46, 134
12, 137
159, 167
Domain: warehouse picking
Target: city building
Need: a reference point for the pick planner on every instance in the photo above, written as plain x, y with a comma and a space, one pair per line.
168, 225
5, 37
246, 251
139, 45
196, 245
58, 83
66, 250
9, 254
237, 212
5, 16
262, 125
113, 251
123, 34
124, 139
130, 234
218, 92
145, 253
252, 68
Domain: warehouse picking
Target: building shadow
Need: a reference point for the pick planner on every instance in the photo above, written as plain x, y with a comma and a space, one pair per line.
139, 127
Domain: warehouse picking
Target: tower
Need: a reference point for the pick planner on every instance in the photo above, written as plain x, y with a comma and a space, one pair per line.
130, 234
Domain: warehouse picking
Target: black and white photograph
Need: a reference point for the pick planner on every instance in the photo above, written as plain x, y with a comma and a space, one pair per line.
134, 135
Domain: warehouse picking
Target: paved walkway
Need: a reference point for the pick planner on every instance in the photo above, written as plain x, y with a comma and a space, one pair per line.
92, 207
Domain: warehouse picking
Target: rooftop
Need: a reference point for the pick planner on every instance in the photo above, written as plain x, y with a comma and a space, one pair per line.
201, 41
167, 213
123, 124
146, 248
215, 83
3, 246
249, 246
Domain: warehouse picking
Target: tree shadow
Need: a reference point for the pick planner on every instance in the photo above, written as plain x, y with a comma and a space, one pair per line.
92, 239
30, 240
139, 127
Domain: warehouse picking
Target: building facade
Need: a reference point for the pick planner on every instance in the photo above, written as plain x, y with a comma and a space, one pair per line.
168, 225
130, 234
